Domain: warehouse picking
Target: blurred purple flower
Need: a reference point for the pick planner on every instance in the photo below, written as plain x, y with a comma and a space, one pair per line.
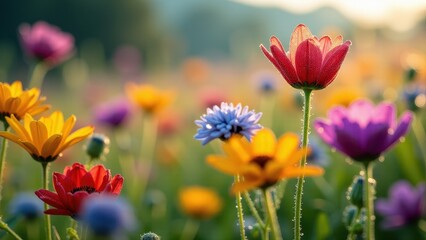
363, 131
46, 43
405, 205
113, 113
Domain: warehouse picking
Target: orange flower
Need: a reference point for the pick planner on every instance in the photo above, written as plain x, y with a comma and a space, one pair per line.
14, 100
262, 162
46, 138
148, 98
199, 202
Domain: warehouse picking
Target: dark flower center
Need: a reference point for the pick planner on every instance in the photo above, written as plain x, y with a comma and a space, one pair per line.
261, 160
88, 189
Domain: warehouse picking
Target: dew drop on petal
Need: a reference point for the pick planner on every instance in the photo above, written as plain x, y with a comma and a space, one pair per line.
381, 158
333, 150
349, 161
402, 139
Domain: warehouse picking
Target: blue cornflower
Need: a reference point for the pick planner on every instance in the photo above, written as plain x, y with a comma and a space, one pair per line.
225, 121
27, 205
107, 215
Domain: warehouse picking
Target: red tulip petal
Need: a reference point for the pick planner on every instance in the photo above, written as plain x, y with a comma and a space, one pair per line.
270, 57
69, 168
50, 198
308, 62
60, 190
54, 211
274, 41
325, 45
300, 34
332, 62
87, 180
98, 173
285, 66
115, 185
77, 200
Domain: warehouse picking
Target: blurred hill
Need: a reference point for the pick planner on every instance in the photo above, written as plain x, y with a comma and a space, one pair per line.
164, 30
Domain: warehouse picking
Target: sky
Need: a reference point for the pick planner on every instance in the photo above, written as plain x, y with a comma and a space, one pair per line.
398, 15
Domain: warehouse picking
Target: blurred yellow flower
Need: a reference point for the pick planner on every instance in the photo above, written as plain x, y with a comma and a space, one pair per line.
342, 97
262, 162
148, 98
14, 100
199, 202
46, 138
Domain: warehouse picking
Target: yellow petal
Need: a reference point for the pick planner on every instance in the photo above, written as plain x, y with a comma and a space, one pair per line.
237, 148
223, 164
74, 138
273, 171
264, 143
50, 146
19, 129
297, 157
68, 126
286, 147
31, 149
38, 133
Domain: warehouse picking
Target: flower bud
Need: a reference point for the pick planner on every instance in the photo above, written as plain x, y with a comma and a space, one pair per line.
150, 236
356, 192
349, 214
97, 146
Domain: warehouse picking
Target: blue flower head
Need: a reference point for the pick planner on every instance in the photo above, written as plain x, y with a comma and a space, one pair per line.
27, 205
107, 215
224, 121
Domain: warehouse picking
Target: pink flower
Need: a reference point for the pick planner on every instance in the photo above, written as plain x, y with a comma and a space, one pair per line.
46, 43
311, 63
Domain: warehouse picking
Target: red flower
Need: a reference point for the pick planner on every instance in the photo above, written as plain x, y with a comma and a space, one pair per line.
310, 63
75, 185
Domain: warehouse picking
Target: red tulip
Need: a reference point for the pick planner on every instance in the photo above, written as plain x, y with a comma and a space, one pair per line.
311, 63
75, 185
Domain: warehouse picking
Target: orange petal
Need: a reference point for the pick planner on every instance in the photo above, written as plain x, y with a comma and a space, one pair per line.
50, 146
246, 185
306, 171
223, 164
287, 145
38, 133
273, 171
237, 148
20, 130
264, 143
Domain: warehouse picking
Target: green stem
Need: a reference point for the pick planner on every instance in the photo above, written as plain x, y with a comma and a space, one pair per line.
368, 167
3, 159
5, 227
47, 222
300, 179
240, 212
253, 209
37, 76
190, 230
272, 216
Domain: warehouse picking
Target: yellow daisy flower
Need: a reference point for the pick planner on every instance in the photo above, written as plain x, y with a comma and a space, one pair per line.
148, 98
262, 162
14, 100
199, 202
46, 138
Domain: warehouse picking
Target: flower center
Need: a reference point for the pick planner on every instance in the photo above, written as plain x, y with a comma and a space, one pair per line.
261, 160
88, 189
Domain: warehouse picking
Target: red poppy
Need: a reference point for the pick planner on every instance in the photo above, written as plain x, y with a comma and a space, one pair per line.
75, 185
311, 63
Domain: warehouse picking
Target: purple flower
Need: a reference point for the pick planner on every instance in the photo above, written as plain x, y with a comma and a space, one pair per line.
363, 131
46, 42
113, 113
405, 205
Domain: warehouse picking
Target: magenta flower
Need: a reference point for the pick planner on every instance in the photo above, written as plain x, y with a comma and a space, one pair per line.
405, 205
46, 43
363, 131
